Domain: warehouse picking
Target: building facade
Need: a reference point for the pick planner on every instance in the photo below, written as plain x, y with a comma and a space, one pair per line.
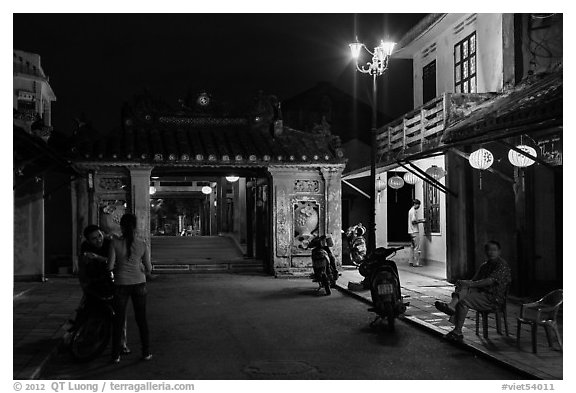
491, 81
34, 161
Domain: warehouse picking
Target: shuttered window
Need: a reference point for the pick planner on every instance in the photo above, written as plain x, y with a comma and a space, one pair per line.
465, 65
431, 209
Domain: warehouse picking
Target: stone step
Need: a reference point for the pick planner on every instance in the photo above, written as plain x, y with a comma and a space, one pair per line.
208, 266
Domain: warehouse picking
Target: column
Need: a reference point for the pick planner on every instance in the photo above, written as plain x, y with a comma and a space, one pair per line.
140, 195
333, 199
74, 223
282, 183
82, 215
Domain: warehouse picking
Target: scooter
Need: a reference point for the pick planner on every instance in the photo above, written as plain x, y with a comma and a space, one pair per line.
356, 243
381, 274
91, 330
322, 263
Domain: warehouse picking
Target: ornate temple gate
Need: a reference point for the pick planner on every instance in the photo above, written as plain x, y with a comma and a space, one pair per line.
297, 198
305, 202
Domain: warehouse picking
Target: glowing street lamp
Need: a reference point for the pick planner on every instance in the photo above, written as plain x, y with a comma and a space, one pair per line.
379, 64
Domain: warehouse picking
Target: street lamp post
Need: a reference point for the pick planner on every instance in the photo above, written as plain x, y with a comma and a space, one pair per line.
376, 67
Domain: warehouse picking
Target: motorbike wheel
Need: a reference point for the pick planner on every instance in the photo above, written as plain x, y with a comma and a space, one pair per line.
389, 312
326, 285
91, 338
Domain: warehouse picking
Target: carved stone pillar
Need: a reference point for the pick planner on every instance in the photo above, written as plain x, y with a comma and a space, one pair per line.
333, 210
282, 179
82, 208
140, 196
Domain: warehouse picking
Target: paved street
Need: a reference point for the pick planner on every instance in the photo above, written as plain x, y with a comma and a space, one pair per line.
233, 326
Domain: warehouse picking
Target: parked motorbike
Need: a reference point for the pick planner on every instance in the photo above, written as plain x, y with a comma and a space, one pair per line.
381, 274
323, 264
91, 330
356, 243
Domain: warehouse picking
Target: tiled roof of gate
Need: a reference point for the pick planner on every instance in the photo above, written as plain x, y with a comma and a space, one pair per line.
209, 141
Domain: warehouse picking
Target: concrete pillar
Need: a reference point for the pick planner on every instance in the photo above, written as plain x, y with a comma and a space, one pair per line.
241, 209
333, 197
74, 223
220, 204
140, 194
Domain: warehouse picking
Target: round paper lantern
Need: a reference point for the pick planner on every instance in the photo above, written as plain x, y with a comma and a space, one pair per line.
380, 185
521, 160
206, 190
481, 159
396, 182
435, 172
410, 178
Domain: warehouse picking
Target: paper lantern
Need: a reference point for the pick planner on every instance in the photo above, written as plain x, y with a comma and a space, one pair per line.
206, 190
380, 185
410, 178
481, 159
396, 182
521, 160
435, 172
152, 190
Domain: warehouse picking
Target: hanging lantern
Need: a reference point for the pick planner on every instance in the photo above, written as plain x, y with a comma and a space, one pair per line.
380, 186
410, 178
206, 190
481, 159
521, 160
396, 182
436, 172
152, 190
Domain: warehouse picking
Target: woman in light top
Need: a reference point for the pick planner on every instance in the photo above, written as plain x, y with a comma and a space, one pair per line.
130, 260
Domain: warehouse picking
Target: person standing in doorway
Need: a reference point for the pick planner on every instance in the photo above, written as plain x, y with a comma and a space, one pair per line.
414, 232
130, 260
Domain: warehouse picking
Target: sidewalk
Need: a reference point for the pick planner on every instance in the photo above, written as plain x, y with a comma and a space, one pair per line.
423, 287
40, 313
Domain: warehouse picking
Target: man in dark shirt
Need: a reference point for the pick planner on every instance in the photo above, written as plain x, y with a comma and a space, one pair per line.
93, 266
486, 289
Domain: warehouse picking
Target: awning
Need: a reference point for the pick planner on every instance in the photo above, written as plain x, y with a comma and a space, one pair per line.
533, 105
33, 158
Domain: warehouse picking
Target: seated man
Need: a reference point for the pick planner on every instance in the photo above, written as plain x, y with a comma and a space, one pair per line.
93, 258
486, 289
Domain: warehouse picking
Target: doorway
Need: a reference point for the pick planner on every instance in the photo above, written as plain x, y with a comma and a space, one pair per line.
399, 202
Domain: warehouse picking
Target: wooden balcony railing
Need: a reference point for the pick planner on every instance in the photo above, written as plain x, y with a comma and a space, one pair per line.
422, 128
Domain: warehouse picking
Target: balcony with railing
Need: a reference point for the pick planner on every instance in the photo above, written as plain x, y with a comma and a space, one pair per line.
421, 129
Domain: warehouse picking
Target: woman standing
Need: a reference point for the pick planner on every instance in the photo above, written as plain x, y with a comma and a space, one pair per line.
130, 261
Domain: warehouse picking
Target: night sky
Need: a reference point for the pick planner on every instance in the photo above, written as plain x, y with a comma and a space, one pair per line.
96, 62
